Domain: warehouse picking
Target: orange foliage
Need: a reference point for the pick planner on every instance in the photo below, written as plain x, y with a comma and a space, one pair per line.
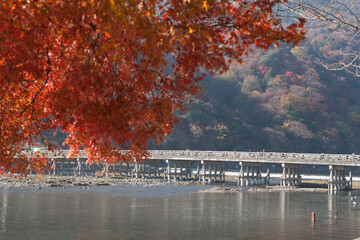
295, 102
111, 73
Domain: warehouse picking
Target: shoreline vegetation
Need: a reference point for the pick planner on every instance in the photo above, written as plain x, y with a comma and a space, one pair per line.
87, 182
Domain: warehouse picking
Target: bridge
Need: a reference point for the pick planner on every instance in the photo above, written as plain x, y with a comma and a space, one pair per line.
210, 165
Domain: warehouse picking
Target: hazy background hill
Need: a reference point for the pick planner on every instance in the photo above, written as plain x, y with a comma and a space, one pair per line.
279, 100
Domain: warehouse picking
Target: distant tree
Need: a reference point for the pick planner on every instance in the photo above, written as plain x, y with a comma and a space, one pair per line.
354, 117
311, 78
338, 15
250, 84
196, 130
299, 52
277, 140
299, 131
295, 105
281, 81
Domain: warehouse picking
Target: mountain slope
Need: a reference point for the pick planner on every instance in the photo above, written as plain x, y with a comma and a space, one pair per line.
279, 100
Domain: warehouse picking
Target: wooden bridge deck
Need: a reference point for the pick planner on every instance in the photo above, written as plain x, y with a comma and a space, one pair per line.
262, 157
235, 156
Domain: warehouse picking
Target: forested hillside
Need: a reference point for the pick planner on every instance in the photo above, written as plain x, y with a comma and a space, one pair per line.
279, 100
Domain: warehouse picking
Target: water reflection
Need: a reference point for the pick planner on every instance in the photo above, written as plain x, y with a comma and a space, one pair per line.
107, 214
4, 211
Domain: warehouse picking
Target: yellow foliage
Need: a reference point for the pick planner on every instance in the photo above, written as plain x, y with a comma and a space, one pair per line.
205, 5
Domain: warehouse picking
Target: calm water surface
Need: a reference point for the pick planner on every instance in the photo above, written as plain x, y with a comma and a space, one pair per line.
173, 213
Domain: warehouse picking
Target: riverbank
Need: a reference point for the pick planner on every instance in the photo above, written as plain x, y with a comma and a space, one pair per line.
262, 189
46, 181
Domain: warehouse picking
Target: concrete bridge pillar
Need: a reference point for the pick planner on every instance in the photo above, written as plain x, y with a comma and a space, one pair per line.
53, 166
177, 169
77, 170
212, 171
146, 168
135, 171
124, 169
68, 167
291, 175
62, 167
267, 177
337, 180
349, 183
249, 172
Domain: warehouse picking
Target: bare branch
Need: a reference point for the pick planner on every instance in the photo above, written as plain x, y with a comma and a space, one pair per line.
333, 13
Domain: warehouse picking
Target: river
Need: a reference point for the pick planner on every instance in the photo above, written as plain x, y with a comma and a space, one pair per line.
174, 212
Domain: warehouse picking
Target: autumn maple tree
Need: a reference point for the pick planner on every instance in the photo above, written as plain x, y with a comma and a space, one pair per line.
111, 73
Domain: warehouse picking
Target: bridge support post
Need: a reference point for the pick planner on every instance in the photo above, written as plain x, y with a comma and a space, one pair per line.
92, 170
267, 177
146, 168
212, 171
53, 166
178, 169
69, 167
87, 168
349, 183
167, 171
337, 180
135, 171
252, 173
151, 168
62, 167
175, 171
78, 167
124, 169
291, 175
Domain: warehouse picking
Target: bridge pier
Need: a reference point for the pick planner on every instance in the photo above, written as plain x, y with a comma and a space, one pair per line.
177, 169
337, 180
146, 168
349, 183
291, 175
77, 170
91, 170
267, 177
252, 173
61, 167
68, 167
124, 169
212, 171
53, 167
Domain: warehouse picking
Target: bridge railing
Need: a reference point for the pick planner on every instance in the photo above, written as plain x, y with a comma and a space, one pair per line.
272, 157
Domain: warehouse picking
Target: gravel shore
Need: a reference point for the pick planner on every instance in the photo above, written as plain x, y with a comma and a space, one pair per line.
46, 181
261, 189
36, 182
